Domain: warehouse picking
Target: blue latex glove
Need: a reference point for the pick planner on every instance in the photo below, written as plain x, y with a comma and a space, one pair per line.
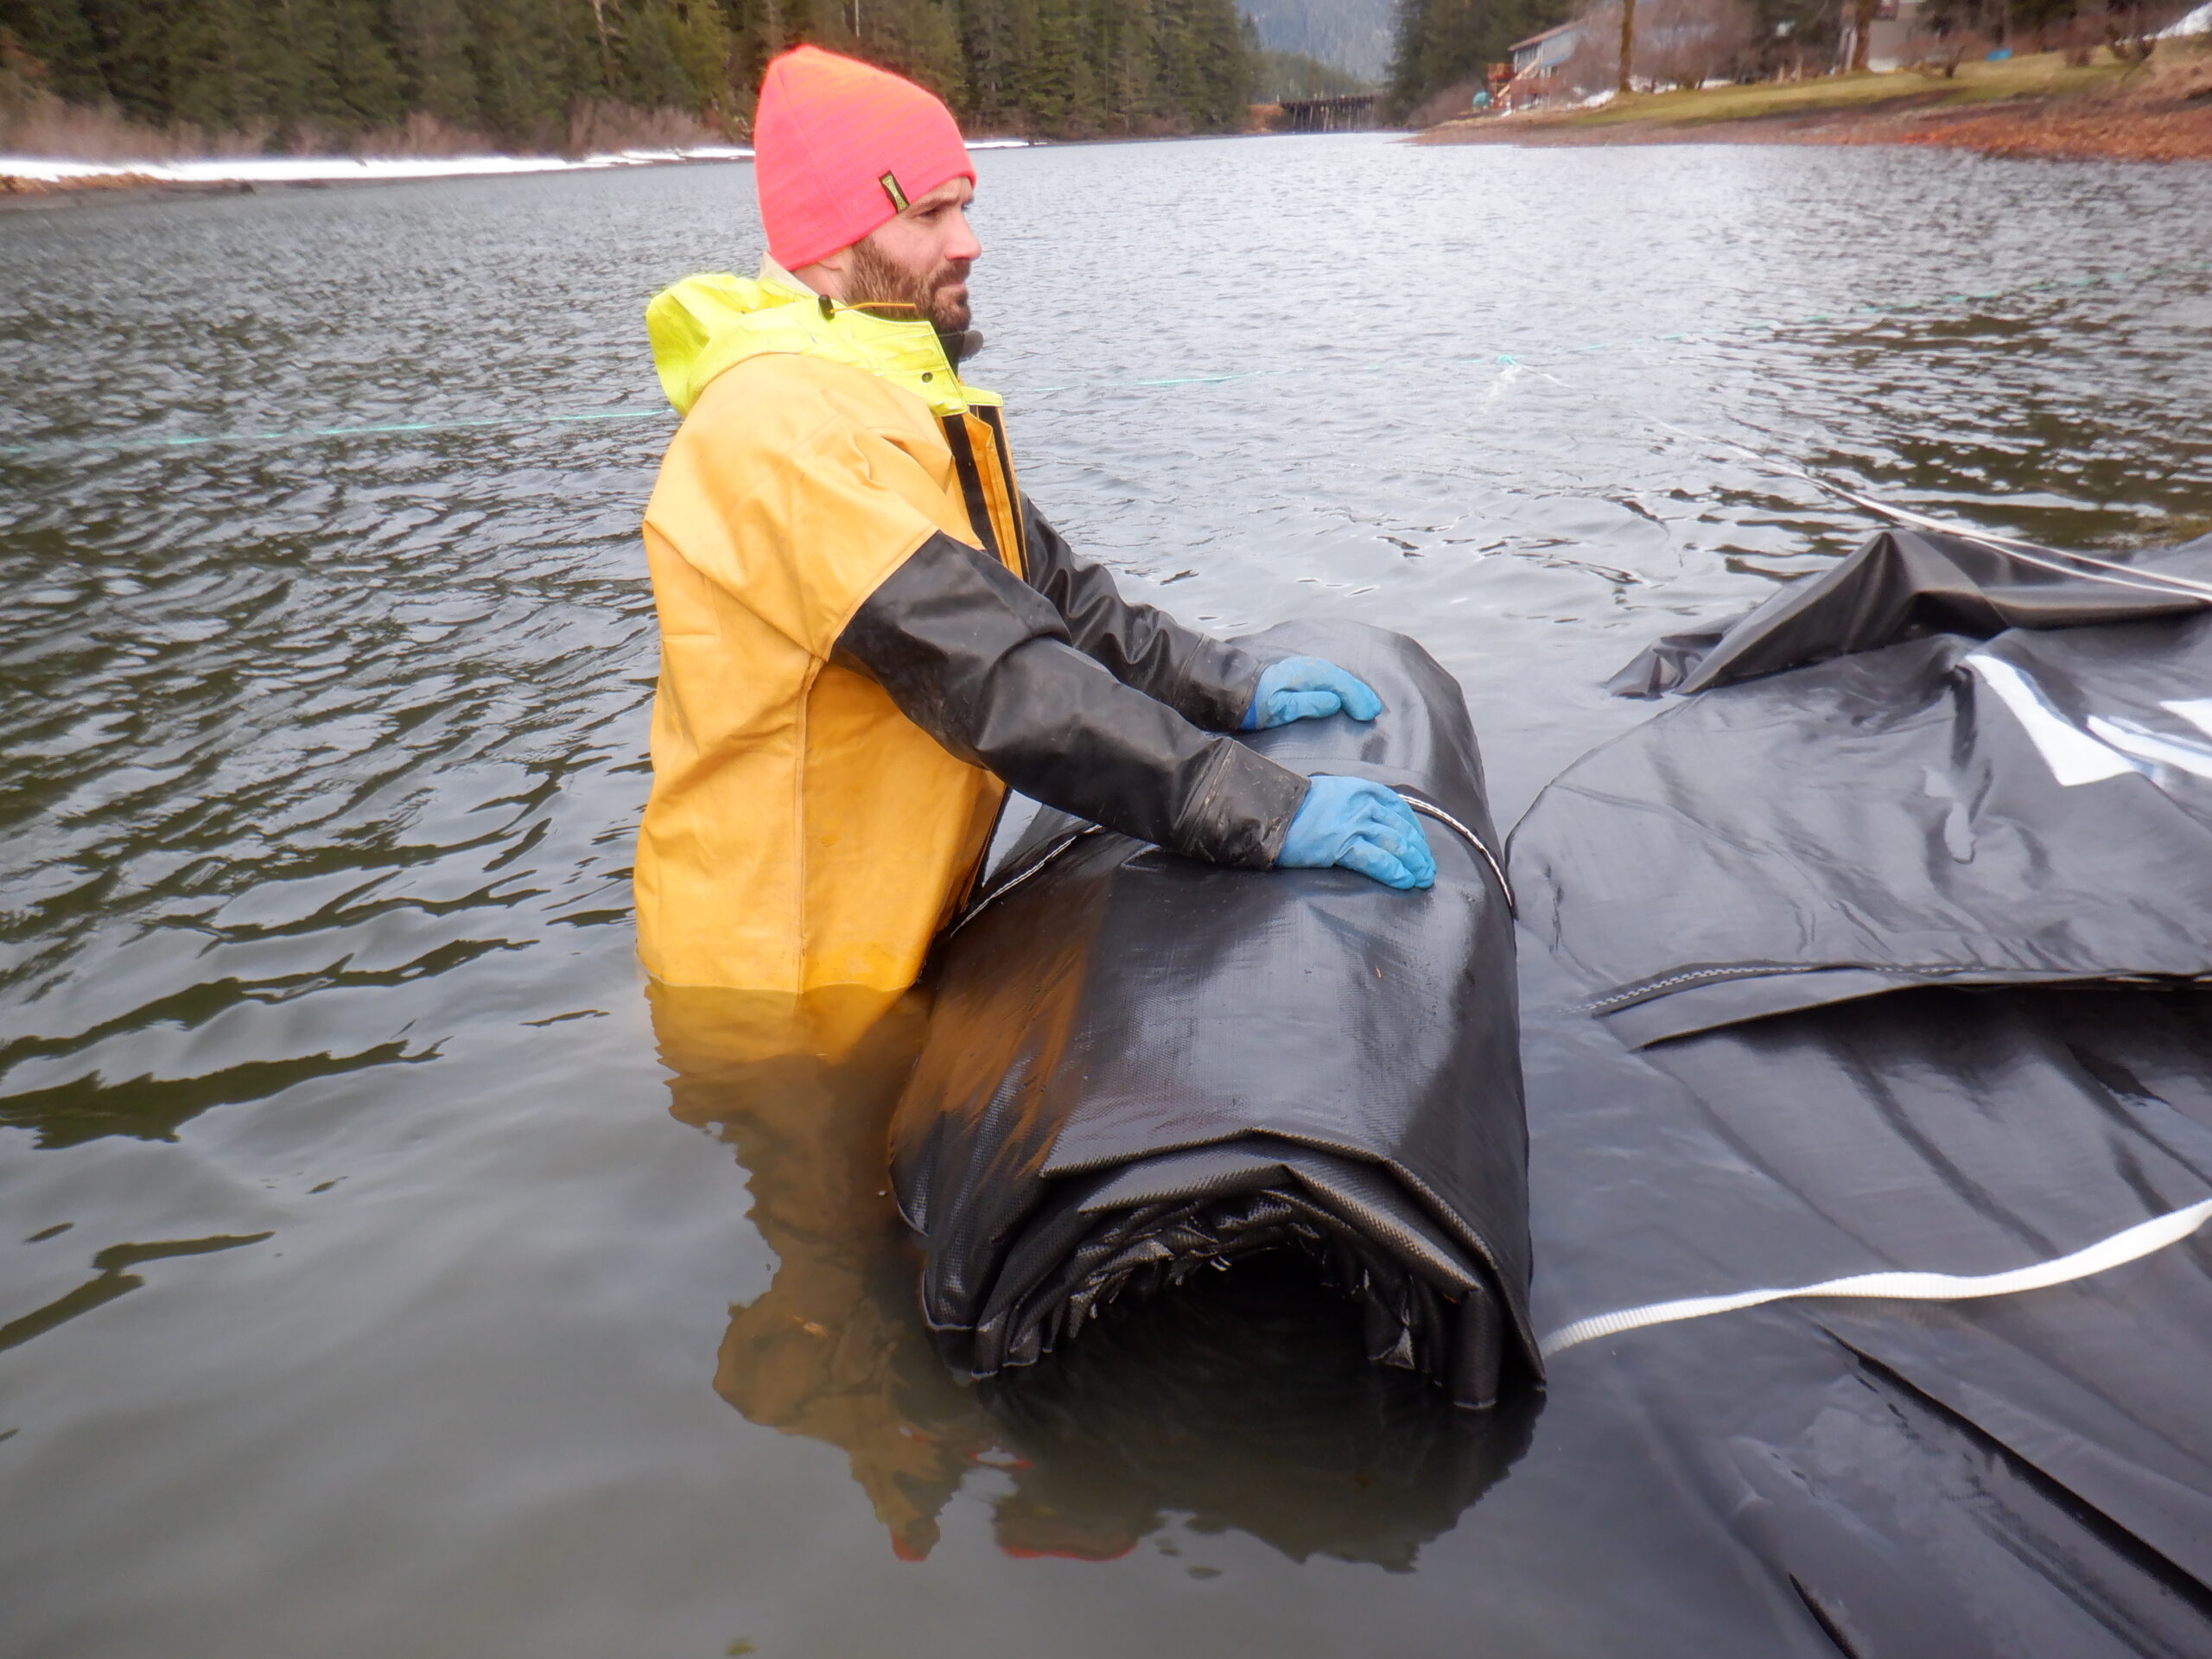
1361, 826
1305, 687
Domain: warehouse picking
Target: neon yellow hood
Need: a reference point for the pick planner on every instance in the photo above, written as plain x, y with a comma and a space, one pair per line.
704, 325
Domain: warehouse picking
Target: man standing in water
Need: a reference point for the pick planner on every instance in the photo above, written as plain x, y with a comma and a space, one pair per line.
867, 633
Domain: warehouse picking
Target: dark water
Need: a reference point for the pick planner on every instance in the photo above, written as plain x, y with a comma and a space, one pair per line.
385, 1272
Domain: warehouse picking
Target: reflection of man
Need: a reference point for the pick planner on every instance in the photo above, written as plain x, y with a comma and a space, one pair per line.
868, 632
835, 1349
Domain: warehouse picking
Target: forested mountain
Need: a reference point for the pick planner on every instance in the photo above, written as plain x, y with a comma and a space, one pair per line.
517, 70
1280, 75
1351, 34
1442, 43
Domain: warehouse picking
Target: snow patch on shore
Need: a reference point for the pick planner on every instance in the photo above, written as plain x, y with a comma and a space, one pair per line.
338, 169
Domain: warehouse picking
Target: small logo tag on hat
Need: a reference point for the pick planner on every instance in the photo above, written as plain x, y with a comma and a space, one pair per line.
890, 183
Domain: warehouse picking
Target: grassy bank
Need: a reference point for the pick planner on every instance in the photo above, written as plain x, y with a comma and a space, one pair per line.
2034, 105
2043, 76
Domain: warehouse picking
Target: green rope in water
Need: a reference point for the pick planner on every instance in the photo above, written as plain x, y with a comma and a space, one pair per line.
1754, 332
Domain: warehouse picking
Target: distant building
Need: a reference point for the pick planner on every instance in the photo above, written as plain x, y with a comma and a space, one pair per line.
1541, 55
1896, 37
1533, 77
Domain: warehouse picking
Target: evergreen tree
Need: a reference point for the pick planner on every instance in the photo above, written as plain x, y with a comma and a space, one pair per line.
58, 35
519, 71
1292, 75
431, 45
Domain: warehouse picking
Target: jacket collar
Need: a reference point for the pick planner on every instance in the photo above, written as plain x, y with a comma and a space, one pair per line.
705, 325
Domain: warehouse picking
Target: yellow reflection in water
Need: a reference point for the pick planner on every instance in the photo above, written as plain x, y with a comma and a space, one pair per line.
835, 1349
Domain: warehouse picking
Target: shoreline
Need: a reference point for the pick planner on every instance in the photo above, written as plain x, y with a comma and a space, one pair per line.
2032, 108
45, 180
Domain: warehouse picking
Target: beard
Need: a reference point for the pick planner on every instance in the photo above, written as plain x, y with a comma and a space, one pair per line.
940, 295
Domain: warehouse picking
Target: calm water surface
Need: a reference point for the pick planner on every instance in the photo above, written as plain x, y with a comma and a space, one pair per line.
383, 1271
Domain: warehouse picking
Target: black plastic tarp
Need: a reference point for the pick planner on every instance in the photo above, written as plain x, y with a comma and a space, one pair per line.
2019, 1476
1906, 584
2030, 805
1139, 1067
2026, 1474
1893, 961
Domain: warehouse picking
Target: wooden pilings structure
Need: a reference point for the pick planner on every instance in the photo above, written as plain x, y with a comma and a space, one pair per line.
1352, 112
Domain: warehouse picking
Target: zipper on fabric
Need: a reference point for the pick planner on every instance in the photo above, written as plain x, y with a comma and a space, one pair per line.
985, 490
995, 420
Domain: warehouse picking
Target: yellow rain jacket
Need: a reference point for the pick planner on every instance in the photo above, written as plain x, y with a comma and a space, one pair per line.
802, 831
779, 780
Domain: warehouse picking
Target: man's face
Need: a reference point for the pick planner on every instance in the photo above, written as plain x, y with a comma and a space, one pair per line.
919, 258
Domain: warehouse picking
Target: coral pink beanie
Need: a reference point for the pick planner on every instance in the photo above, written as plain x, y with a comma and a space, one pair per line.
840, 147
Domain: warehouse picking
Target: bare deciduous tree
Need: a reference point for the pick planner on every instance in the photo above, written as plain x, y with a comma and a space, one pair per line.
1862, 34
1681, 43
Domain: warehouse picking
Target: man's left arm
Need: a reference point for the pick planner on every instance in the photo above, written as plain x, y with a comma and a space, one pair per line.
1208, 682
1211, 684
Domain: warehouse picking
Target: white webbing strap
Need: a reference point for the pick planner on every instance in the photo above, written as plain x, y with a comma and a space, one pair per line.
2130, 1245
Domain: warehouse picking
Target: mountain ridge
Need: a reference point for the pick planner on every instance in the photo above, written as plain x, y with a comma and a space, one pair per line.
1356, 35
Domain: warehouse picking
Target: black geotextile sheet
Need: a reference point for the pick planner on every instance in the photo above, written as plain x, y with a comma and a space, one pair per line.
1140, 1067
1772, 869
2021, 1475
2025, 1475
2011, 806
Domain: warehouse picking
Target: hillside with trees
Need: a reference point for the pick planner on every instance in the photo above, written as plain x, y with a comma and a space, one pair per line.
544, 75
1443, 44
1446, 44
1354, 35
1280, 75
